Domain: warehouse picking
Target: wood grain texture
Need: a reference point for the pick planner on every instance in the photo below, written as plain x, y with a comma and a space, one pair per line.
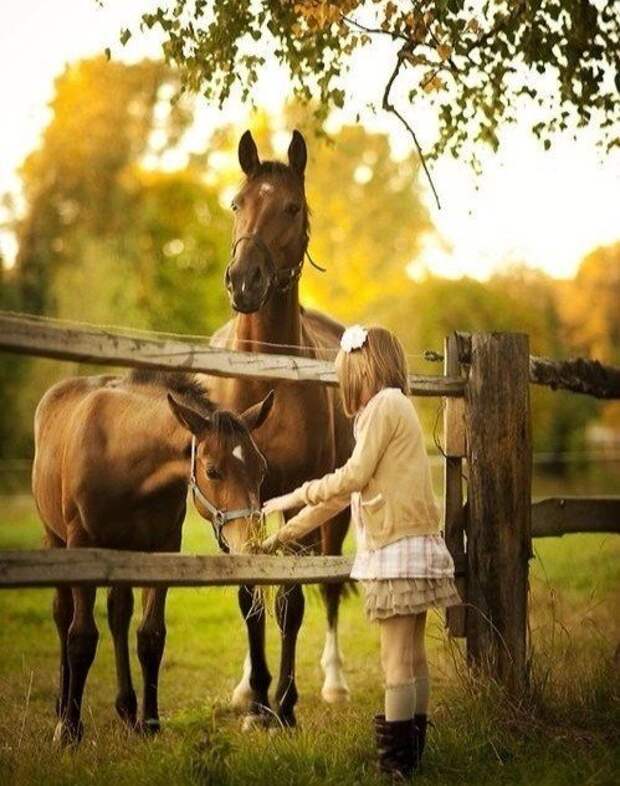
454, 447
499, 502
579, 375
559, 516
106, 567
96, 345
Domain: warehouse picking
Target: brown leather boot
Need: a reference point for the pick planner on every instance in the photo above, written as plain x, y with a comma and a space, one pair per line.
420, 723
395, 746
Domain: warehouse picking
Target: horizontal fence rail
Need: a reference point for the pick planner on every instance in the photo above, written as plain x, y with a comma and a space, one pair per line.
107, 567
559, 516
578, 375
26, 336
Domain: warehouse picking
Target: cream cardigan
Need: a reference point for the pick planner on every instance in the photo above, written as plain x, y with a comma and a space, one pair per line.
390, 470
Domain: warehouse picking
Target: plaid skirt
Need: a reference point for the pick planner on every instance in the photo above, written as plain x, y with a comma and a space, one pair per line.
409, 576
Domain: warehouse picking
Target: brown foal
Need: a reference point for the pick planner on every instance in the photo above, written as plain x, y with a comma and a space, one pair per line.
111, 469
311, 435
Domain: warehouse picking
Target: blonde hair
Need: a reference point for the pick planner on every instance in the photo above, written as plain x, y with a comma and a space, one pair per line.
379, 363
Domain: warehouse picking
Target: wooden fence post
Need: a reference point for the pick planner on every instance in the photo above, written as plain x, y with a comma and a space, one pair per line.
499, 502
454, 451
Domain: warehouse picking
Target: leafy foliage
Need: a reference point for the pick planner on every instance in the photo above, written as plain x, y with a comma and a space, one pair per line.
477, 63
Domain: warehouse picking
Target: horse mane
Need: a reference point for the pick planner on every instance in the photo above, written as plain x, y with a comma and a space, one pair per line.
188, 386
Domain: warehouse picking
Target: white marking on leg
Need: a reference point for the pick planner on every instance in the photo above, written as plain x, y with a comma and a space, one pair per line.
243, 694
335, 688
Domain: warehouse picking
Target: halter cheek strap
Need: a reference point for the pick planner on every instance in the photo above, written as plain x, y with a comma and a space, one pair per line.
219, 518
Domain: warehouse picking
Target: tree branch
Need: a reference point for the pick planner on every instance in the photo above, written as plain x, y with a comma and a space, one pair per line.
374, 30
388, 106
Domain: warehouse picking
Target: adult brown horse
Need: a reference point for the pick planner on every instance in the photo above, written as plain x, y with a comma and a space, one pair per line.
311, 435
112, 463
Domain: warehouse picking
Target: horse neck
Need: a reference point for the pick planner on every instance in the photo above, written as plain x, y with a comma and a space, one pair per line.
278, 322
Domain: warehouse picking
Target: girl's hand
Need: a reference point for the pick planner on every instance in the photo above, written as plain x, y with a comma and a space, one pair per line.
270, 545
285, 502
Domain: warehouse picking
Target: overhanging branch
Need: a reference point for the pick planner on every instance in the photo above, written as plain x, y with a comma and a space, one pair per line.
388, 106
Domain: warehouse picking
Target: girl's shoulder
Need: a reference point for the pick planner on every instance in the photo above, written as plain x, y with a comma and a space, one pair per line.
388, 402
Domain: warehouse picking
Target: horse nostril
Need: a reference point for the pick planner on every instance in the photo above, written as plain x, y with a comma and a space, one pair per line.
256, 277
227, 280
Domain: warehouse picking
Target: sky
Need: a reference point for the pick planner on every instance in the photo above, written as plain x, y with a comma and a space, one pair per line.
545, 209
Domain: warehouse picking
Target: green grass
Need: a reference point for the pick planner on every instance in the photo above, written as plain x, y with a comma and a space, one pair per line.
565, 732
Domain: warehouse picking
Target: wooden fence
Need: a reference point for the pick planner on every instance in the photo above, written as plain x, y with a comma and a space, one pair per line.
486, 433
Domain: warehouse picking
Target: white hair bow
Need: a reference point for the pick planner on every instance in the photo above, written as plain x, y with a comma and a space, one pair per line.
353, 337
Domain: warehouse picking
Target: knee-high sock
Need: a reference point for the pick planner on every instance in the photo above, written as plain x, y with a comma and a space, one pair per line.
400, 702
422, 691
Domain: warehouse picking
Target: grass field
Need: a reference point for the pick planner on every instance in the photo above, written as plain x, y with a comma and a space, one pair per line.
564, 732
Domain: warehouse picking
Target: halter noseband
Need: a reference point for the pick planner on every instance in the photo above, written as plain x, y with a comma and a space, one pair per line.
282, 280
219, 518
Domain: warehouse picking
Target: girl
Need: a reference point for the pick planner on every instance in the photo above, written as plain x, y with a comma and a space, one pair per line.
401, 560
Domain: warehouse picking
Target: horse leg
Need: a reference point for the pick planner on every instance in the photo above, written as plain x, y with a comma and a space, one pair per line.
82, 639
63, 614
151, 642
120, 609
254, 685
290, 613
335, 688
62, 609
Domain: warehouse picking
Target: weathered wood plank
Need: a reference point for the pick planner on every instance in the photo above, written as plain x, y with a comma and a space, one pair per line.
559, 516
499, 505
579, 375
454, 448
106, 567
97, 345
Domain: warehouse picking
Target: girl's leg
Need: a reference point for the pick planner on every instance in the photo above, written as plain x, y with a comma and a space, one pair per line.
422, 687
395, 731
397, 658
420, 665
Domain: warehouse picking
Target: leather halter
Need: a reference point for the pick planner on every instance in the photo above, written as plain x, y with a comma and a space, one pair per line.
219, 518
281, 279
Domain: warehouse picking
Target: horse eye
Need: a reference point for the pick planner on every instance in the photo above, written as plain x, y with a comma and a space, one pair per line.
292, 209
213, 474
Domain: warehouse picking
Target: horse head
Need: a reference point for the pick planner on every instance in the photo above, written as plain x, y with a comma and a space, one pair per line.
227, 468
271, 225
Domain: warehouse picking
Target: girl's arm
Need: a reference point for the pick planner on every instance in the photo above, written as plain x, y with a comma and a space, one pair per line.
355, 474
369, 449
309, 518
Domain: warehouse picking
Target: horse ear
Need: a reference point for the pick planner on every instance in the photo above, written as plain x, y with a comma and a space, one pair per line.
190, 419
255, 416
297, 154
248, 153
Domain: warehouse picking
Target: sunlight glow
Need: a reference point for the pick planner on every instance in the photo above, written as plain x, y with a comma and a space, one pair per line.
545, 209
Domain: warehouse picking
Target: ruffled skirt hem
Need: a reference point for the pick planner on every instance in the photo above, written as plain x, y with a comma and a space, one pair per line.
386, 598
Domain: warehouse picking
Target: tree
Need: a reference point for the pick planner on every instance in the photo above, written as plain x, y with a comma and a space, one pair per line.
518, 299
589, 307
473, 62
104, 240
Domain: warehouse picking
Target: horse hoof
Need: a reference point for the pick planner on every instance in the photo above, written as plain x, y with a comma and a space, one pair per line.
288, 721
254, 721
127, 709
336, 695
242, 697
65, 736
149, 727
